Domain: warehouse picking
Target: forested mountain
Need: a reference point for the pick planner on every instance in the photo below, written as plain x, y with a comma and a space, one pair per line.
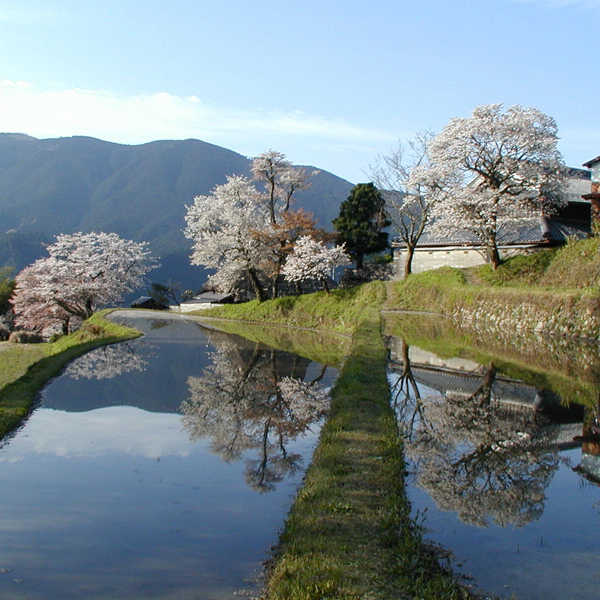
83, 184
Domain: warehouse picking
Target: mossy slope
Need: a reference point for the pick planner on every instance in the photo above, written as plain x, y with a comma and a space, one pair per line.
340, 311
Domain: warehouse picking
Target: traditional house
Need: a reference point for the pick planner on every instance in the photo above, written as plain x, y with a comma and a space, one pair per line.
594, 196
204, 300
461, 248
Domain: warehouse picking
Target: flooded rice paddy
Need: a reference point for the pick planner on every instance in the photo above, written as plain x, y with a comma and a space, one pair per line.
502, 441
161, 468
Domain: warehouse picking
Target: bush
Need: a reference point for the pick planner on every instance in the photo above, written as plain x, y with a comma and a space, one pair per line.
91, 329
24, 337
380, 259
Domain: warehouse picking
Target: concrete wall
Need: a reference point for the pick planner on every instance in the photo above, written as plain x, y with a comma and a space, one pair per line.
460, 258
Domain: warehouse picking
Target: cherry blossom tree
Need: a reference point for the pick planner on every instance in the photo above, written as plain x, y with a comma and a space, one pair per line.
281, 181
312, 260
34, 310
107, 362
407, 199
82, 273
226, 228
492, 168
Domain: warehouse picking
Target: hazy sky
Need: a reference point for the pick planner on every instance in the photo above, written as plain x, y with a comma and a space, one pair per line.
329, 83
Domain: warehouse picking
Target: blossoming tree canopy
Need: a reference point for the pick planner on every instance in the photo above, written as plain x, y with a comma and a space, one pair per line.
282, 180
223, 227
312, 260
82, 273
491, 168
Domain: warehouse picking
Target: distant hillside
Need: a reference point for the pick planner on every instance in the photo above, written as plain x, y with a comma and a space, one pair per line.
83, 184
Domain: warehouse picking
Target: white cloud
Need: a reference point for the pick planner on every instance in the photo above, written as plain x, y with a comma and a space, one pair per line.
122, 429
136, 119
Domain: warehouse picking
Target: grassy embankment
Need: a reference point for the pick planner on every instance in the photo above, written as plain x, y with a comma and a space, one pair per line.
25, 368
339, 311
570, 369
349, 534
555, 291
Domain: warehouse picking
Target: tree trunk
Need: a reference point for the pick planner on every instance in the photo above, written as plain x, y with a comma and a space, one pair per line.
325, 285
258, 290
359, 260
494, 256
410, 250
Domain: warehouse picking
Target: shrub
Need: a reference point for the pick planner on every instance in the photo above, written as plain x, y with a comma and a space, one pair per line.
24, 337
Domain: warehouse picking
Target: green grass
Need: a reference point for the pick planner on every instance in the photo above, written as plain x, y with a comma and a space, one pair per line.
523, 270
349, 534
447, 291
320, 346
338, 311
26, 368
576, 265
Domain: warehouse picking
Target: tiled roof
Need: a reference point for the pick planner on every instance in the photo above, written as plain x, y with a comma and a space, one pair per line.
578, 184
531, 230
466, 384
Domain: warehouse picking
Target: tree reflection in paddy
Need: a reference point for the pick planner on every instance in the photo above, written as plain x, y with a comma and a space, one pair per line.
474, 454
108, 362
248, 400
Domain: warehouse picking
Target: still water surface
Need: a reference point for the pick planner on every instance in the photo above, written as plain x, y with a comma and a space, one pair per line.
159, 468
504, 470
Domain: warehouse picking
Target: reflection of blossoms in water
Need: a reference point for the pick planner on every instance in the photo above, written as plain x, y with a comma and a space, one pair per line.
107, 362
247, 400
482, 459
474, 455
306, 402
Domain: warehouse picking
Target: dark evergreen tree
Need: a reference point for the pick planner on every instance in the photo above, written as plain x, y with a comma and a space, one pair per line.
362, 222
7, 286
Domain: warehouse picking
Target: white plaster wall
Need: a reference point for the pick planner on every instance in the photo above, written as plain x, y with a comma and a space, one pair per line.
425, 260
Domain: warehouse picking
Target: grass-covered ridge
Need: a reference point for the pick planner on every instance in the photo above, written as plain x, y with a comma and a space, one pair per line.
340, 311
25, 368
574, 266
517, 296
349, 534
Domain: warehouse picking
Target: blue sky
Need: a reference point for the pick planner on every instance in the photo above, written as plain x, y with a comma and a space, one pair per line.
328, 83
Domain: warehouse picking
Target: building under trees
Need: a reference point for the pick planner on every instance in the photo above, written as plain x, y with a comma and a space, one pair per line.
491, 169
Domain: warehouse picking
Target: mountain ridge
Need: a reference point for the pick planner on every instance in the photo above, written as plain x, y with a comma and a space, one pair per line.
80, 183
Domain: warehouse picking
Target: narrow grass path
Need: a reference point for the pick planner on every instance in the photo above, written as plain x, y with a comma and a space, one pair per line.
349, 534
26, 368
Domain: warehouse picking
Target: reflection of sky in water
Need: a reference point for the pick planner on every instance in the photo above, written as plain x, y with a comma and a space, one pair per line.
555, 554
555, 557
101, 499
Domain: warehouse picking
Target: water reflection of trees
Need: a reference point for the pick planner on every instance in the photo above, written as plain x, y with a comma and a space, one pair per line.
107, 362
475, 455
252, 400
